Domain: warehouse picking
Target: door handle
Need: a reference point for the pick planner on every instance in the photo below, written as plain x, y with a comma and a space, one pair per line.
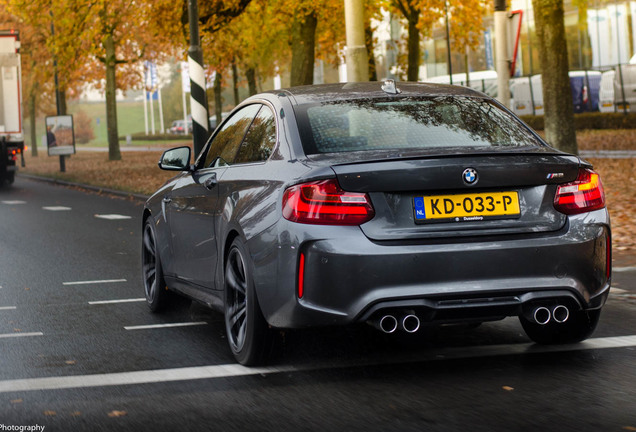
210, 182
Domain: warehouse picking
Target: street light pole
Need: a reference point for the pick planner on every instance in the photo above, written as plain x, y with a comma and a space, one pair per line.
58, 100
448, 46
501, 53
356, 54
198, 96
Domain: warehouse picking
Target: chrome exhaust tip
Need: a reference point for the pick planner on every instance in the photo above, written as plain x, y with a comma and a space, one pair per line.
388, 324
541, 315
560, 313
410, 323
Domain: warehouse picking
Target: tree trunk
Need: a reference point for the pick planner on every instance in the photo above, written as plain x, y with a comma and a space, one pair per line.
111, 101
413, 68
553, 57
467, 64
235, 83
303, 41
368, 41
250, 74
33, 133
218, 100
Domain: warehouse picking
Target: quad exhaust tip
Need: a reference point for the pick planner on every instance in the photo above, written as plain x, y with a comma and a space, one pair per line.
560, 314
410, 323
388, 324
542, 315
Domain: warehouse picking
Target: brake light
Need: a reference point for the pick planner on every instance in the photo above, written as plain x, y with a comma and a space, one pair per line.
325, 203
582, 195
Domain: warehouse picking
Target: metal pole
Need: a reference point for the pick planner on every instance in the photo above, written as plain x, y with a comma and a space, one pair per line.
163, 129
618, 57
356, 53
534, 112
501, 53
448, 47
198, 96
58, 101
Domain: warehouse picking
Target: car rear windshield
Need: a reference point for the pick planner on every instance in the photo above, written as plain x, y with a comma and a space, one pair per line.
409, 123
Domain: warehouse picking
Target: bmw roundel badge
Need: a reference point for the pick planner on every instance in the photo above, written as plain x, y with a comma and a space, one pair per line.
470, 176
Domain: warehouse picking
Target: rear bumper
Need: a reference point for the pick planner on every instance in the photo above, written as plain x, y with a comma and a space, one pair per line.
351, 279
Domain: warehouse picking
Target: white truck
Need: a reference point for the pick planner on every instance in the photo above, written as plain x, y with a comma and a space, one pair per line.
11, 137
625, 86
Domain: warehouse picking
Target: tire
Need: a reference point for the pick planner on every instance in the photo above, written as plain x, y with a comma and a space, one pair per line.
248, 334
154, 284
578, 327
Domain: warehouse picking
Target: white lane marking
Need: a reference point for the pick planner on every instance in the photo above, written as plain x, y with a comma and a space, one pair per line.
7, 307
617, 291
56, 208
158, 326
94, 282
623, 269
15, 335
112, 216
102, 302
14, 202
233, 370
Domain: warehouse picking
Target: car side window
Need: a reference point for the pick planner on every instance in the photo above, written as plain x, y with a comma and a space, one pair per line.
227, 141
260, 139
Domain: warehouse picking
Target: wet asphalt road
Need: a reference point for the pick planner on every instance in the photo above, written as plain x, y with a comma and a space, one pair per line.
76, 352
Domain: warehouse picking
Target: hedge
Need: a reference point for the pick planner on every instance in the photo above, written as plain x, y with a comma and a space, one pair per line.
140, 136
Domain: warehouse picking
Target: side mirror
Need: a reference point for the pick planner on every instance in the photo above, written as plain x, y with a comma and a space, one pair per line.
176, 159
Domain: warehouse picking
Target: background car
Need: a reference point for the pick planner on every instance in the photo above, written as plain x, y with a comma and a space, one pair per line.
179, 127
396, 206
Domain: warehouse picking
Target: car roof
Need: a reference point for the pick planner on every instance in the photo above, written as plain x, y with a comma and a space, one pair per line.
345, 91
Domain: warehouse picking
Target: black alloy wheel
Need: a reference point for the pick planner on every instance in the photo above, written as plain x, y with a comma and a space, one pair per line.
154, 283
249, 336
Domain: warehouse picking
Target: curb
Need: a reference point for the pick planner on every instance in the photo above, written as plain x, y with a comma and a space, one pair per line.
97, 189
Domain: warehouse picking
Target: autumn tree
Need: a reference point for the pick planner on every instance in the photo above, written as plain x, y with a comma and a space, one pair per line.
467, 25
553, 57
121, 34
316, 28
420, 16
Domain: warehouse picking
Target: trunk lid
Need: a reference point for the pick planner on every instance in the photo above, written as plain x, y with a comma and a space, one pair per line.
398, 187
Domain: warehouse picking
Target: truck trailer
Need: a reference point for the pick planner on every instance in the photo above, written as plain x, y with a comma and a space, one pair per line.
11, 136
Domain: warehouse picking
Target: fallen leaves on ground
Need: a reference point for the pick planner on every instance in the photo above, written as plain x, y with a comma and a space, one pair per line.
116, 413
136, 172
619, 139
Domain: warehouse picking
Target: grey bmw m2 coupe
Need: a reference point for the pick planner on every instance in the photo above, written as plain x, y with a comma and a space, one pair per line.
393, 204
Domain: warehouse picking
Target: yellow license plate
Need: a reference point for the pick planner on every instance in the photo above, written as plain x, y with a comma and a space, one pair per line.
466, 207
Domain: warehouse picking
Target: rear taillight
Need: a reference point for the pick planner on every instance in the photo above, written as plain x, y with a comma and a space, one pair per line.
325, 203
582, 195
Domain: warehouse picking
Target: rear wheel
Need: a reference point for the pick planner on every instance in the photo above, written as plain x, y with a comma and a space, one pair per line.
248, 334
578, 327
154, 283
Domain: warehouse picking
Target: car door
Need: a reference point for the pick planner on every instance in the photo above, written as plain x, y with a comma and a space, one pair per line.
192, 207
